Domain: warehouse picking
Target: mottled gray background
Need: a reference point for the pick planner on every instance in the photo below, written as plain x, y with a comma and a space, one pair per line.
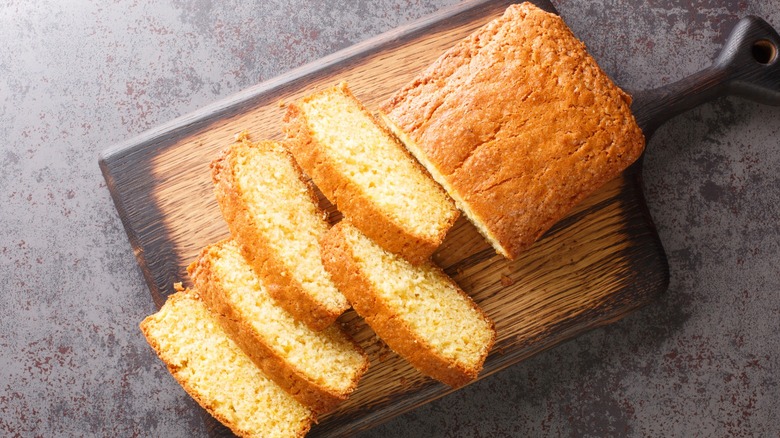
78, 76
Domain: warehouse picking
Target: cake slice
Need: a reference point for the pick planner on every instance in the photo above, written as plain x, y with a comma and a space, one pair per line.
362, 168
518, 123
271, 210
218, 375
418, 311
319, 368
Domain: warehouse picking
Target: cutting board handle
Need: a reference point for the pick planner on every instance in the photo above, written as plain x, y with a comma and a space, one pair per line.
747, 66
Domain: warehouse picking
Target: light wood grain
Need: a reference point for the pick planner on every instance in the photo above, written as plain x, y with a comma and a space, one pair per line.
597, 265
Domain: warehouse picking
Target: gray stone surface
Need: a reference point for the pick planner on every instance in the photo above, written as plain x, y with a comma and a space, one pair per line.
78, 76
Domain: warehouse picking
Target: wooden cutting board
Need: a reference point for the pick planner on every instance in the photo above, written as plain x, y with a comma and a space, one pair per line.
600, 263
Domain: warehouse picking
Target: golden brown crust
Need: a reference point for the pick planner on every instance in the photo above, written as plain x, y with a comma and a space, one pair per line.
339, 260
281, 283
349, 197
319, 398
184, 382
518, 123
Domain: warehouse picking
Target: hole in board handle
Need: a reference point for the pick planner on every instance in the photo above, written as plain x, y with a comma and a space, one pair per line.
764, 52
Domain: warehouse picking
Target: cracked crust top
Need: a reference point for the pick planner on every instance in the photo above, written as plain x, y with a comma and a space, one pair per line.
518, 123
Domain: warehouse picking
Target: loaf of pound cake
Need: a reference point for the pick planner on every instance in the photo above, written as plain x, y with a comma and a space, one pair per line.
271, 210
367, 173
417, 310
218, 375
319, 368
518, 123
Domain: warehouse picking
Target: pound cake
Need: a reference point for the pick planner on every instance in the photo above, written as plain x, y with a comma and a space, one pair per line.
319, 368
372, 179
271, 210
218, 375
418, 311
518, 123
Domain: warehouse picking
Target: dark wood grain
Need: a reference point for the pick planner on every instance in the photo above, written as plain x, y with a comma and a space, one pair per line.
748, 66
600, 263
